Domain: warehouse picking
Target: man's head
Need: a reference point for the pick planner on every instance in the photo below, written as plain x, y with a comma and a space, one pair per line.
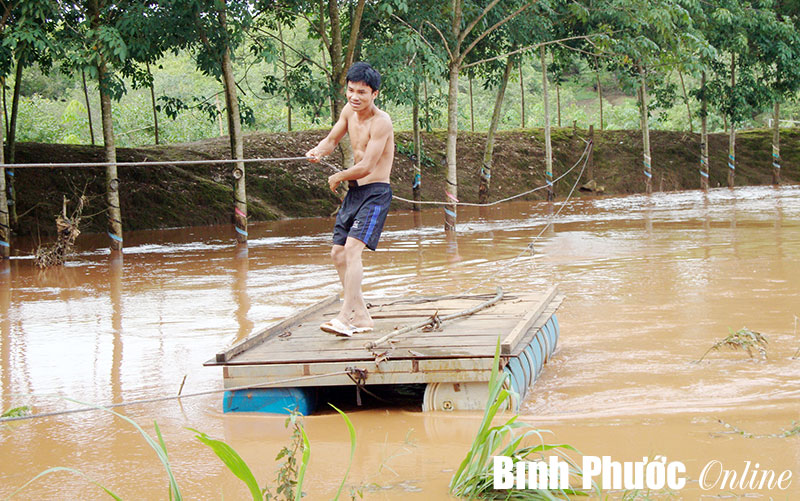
363, 82
364, 73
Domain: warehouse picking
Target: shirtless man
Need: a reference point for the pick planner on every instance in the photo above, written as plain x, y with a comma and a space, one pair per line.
360, 219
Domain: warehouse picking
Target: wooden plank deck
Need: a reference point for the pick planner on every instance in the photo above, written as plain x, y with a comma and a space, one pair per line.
461, 351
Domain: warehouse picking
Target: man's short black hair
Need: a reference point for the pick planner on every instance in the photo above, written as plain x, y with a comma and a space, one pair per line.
363, 72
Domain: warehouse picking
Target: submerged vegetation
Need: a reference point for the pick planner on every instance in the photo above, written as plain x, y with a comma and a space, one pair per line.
793, 430
743, 339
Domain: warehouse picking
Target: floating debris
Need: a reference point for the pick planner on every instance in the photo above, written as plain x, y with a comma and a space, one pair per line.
68, 231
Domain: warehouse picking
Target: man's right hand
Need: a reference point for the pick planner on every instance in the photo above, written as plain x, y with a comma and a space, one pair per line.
313, 155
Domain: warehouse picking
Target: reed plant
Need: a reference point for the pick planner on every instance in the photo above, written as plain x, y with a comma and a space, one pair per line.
743, 339
290, 476
474, 477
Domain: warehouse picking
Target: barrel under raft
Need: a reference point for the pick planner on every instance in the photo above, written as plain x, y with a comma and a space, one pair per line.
522, 370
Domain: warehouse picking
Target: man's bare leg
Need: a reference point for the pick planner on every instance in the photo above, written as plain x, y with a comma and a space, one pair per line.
339, 261
354, 310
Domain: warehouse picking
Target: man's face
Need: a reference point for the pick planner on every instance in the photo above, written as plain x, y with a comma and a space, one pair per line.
360, 95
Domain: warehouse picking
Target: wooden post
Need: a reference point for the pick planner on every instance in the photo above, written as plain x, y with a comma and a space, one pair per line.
732, 136
522, 93
88, 107
776, 144
153, 102
704, 170
548, 147
590, 161
647, 161
5, 228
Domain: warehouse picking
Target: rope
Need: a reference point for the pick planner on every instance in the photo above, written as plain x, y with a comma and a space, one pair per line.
159, 162
548, 225
584, 154
174, 397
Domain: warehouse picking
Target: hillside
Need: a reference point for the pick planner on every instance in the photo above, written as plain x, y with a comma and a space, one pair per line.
161, 197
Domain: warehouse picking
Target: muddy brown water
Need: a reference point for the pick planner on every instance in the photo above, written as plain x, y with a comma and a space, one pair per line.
651, 283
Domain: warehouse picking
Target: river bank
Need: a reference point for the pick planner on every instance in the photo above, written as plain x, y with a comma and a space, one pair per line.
165, 197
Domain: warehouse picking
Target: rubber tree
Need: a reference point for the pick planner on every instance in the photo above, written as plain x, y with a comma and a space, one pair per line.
757, 64
213, 30
337, 25
519, 37
405, 62
458, 28
28, 40
645, 39
5, 226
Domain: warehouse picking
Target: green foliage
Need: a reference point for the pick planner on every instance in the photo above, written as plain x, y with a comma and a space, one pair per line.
743, 339
233, 461
474, 477
23, 410
407, 149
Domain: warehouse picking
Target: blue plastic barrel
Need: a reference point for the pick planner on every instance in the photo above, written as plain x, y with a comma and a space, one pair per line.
517, 372
527, 367
535, 364
270, 400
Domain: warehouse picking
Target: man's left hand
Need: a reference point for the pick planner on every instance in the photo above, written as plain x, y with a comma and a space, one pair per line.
333, 182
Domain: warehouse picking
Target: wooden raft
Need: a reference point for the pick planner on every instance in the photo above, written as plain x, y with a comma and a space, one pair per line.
461, 351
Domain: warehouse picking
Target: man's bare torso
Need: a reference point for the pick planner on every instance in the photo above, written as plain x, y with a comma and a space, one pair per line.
360, 132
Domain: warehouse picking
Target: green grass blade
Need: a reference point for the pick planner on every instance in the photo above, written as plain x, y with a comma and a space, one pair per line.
152, 443
233, 461
298, 494
71, 470
352, 431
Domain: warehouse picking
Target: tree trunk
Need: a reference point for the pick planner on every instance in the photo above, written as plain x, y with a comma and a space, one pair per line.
599, 92
522, 93
416, 184
776, 143
590, 160
285, 81
5, 227
237, 145
88, 107
12, 145
648, 171
12, 128
548, 147
471, 108
338, 76
153, 102
112, 181
732, 136
704, 170
428, 126
451, 188
486, 169
5, 105
558, 104
686, 100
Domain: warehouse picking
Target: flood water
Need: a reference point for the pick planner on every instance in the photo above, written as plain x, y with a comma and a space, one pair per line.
651, 283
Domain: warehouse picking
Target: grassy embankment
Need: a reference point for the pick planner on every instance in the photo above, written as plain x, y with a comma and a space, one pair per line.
162, 197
